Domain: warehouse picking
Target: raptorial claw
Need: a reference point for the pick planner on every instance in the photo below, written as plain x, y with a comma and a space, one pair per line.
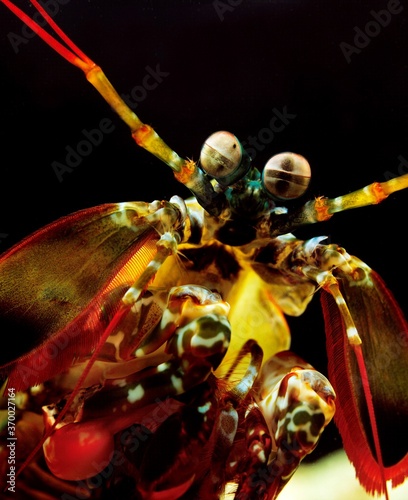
297, 403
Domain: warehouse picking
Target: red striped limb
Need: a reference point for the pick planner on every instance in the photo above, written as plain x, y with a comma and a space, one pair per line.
185, 171
197, 332
165, 246
330, 285
367, 344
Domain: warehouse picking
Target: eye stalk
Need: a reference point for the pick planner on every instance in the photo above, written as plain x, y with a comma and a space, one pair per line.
286, 176
223, 158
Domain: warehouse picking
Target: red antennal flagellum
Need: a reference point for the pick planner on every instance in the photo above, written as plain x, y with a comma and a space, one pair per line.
185, 171
75, 56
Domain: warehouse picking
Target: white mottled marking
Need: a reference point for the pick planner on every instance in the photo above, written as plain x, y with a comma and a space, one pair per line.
198, 341
340, 300
162, 367
120, 218
120, 382
352, 333
177, 384
135, 394
204, 408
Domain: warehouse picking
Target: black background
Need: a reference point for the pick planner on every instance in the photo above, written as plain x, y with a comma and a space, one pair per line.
351, 117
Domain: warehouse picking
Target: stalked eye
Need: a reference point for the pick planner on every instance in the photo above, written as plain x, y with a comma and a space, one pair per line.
286, 176
223, 158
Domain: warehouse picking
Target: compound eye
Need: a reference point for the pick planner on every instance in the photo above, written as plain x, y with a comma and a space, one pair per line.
223, 158
286, 176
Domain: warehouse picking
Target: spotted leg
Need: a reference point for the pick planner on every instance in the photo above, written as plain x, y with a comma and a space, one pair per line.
190, 448
367, 341
195, 322
297, 403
